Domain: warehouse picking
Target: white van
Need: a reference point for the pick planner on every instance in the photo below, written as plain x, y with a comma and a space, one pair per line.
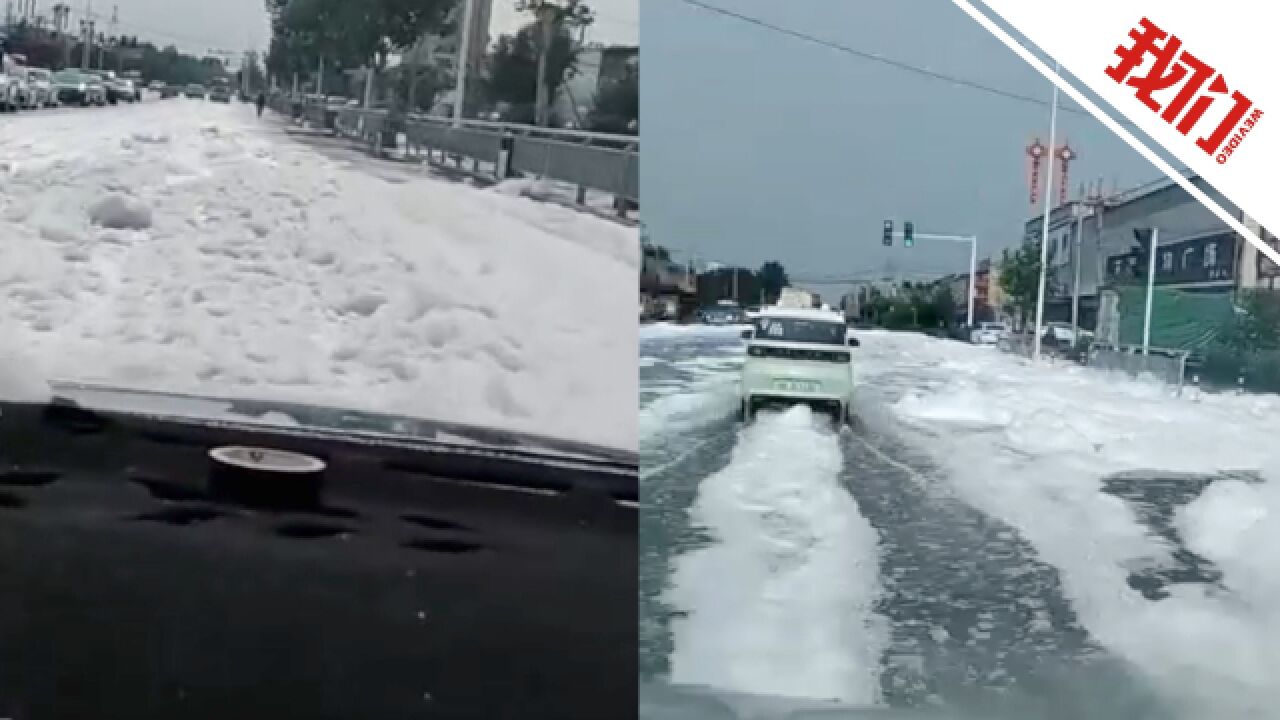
798, 356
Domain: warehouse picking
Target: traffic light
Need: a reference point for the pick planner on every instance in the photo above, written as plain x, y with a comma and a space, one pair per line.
908, 234
888, 233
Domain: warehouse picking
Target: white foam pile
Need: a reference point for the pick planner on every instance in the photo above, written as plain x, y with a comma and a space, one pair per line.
188, 246
781, 600
1031, 444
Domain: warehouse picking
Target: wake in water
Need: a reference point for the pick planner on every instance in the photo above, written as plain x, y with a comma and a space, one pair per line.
780, 600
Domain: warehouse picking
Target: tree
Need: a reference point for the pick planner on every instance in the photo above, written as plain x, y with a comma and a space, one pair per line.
773, 278
939, 310
553, 18
721, 283
348, 34
513, 71
419, 85
1020, 278
1257, 323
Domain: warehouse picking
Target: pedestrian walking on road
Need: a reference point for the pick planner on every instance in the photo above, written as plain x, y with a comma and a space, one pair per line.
262, 102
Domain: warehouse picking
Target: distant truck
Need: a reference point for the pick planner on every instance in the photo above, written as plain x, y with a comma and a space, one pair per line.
795, 298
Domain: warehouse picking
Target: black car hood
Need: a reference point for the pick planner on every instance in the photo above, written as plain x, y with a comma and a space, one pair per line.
318, 419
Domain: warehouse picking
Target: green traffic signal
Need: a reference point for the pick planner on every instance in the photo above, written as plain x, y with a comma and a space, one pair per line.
908, 235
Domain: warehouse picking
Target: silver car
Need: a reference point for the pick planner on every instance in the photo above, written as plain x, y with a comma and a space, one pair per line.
989, 333
40, 82
10, 93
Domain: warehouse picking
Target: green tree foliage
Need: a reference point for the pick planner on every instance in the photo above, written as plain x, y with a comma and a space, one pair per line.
513, 70
1257, 324
346, 33
773, 278
718, 285
1020, 278
936, 309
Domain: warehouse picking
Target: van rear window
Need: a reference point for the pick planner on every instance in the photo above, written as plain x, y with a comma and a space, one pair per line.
801, 330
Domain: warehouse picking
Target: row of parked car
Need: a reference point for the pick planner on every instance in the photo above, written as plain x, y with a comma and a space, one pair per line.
27, 88
219, 91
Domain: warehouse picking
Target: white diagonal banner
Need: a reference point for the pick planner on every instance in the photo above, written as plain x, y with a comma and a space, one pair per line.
1195, 85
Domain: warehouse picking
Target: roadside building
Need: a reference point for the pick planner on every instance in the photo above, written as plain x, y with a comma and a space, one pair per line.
1201, 263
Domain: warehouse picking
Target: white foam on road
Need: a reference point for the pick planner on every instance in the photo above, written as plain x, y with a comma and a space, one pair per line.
188, 246
781, 600
1031, 444
662, 330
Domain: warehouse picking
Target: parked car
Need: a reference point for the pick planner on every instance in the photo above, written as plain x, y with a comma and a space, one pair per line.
41, 82
127, 90
118, 89
722, 313
988, 333
156, 86
24, 91
194, 90
72, 87
799, 356
98, 84
19, 90
220, 92
1058, 335
10, 93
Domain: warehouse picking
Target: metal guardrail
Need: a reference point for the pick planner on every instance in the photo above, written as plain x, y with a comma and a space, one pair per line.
603, 162
1164, 364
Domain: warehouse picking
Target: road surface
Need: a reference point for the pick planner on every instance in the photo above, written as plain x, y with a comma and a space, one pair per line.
189, 246
1036, 541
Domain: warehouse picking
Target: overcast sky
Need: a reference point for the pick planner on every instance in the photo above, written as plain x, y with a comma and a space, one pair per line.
759, 146
197, 26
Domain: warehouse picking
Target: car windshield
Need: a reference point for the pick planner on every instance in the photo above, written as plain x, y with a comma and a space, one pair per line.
179, 247
801, 330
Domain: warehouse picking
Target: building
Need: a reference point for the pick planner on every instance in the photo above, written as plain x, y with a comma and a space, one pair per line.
987, 292
1106, 244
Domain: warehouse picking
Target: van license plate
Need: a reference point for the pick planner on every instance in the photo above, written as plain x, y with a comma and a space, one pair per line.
802, 386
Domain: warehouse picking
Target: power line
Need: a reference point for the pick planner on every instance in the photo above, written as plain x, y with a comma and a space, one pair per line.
875, 57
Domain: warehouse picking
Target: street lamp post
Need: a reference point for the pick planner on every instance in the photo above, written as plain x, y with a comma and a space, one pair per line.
1075, 288
1151, 281
1044, 233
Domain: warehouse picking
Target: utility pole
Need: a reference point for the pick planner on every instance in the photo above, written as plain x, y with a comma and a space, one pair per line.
1151, 282
1044, 233
464, 61
102, 47
547, 16
86, 28
1075, 288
